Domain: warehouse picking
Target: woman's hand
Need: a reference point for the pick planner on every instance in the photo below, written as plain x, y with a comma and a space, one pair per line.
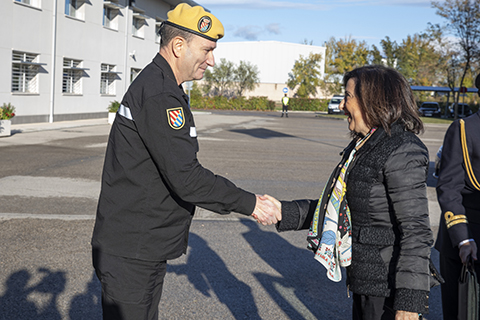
405, 315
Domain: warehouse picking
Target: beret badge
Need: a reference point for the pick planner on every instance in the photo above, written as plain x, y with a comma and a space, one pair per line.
204, 24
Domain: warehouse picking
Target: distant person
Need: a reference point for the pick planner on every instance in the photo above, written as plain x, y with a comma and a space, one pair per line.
285, 101
458, 192
372, 217
152, 179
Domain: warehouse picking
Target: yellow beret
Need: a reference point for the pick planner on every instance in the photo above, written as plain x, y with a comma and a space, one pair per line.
196, 20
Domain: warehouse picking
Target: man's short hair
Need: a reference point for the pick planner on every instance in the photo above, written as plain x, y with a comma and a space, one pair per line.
168, 33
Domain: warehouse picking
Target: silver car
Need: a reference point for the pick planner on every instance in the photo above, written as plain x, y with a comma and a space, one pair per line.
333, 105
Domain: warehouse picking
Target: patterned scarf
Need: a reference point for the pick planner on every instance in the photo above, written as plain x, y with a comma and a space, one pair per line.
333, 249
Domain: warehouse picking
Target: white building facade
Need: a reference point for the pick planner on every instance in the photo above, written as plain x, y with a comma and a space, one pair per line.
274, 60
68, 59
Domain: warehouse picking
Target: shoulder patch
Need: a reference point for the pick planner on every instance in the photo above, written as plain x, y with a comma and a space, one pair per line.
176, 118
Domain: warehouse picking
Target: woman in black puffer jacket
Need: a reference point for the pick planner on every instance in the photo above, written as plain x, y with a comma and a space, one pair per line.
372, 217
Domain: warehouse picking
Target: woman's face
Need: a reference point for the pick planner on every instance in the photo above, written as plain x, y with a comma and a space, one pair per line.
352, 109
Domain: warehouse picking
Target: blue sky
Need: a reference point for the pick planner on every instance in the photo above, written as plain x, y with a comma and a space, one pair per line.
317, 21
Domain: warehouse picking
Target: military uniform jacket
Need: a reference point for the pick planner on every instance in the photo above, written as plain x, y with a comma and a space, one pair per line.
458, 198
151, 178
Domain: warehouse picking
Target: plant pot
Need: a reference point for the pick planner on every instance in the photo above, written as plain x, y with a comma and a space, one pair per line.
5, 126
111, 117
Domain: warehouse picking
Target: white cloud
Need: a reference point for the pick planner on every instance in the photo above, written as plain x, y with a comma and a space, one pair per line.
248, 32
273, 28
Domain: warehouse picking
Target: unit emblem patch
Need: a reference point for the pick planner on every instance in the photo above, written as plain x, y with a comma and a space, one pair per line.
204, 24
176, 118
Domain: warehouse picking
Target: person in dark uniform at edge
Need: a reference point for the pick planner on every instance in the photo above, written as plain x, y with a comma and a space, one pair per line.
152, 179
285, 100
458, 194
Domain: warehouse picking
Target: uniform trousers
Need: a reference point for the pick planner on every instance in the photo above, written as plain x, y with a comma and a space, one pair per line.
131, 288
450, 269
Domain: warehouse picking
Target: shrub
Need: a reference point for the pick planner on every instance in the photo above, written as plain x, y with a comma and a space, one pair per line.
113, 106
7, 111
239, 103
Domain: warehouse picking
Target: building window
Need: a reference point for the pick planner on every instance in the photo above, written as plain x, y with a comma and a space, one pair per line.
110, 12
33, 3
134, 72
137, 28
75, 8
107, 80
25, 69
158, 24
72, 76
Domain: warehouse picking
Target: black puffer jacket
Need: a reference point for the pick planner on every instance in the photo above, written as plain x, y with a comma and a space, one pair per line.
391, 235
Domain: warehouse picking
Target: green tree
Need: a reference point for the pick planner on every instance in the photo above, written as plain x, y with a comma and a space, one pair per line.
418, 60
221, 79
306, 75
463, 22
390, 49
375, 56
246, 77
349, 54
331, 82
342, 56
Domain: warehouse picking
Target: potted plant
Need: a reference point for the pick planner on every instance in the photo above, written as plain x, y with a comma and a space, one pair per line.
112, 110
7, 112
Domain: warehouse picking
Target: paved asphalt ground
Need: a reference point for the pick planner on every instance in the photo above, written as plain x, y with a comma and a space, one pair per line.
234, 269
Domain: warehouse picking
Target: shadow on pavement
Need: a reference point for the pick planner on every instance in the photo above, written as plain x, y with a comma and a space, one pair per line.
206, 270
16, 303
302, 290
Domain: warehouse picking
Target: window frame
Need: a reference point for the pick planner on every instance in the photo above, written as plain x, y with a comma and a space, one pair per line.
108, 75
72, 78
75, 9
29, 3
158, 23
110, 21
134, 72
25, 71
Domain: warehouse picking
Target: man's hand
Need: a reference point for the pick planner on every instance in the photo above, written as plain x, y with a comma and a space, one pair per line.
266, 211
405, 315
467, 249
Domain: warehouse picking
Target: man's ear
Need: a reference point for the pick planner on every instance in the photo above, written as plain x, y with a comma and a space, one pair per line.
178, 46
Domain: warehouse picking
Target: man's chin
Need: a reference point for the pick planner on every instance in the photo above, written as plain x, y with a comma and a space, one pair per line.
199, 75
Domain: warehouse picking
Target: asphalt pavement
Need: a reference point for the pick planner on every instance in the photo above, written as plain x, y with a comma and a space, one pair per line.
234, 268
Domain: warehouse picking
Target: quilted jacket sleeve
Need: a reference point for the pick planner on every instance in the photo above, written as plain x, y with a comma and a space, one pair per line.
405, 174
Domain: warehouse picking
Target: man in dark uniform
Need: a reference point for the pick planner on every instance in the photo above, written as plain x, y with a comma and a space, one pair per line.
458, 192
152, 179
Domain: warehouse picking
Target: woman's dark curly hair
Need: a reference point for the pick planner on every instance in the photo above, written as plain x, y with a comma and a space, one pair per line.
385, 98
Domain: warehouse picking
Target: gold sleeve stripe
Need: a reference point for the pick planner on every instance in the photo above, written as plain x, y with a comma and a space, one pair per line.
466, 157
451, 219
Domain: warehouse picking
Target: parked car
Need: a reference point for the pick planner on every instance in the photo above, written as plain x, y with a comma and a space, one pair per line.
463, 110
429, 109
333, 105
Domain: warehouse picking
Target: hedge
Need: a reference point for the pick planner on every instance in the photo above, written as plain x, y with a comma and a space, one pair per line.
255, 103
240, 103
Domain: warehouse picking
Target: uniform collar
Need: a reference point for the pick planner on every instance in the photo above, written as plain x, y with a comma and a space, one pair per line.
160, 61
163, 64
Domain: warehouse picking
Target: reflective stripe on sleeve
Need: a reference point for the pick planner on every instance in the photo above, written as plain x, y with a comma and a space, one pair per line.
125, 112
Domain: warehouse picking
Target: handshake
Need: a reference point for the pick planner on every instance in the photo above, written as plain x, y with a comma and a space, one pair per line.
268, 210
